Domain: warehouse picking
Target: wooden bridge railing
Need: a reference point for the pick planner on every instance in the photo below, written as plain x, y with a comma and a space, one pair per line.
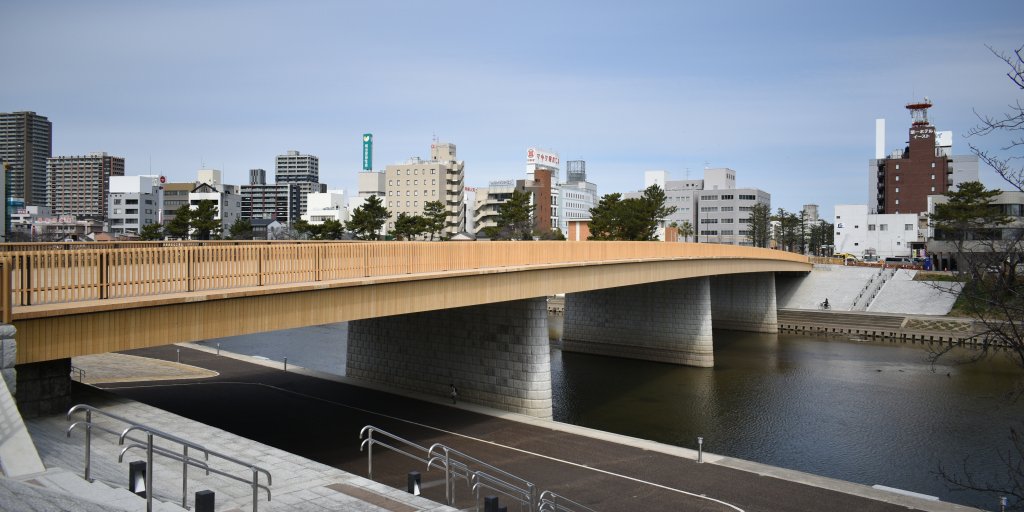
60, 276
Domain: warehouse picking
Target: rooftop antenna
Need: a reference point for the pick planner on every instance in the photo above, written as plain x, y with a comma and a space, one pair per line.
687, 173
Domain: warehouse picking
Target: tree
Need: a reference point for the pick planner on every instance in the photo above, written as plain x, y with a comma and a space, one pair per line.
151, 232
1007, 163
178, 227
329, 229
989, 261
802, 232
434, 216
686, 230
241, 229
636, 219
515, 218
368, 219
408, 227
821, 238
204, 222
759, 224
551, 234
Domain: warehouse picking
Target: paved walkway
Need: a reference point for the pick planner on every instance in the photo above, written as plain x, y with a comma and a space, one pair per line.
319, 417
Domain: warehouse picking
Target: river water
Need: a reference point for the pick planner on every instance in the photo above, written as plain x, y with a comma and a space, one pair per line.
871, 413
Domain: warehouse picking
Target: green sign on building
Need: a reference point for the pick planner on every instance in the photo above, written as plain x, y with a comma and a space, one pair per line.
367, 151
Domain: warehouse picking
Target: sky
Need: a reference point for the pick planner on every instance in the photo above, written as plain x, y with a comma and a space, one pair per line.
785, 93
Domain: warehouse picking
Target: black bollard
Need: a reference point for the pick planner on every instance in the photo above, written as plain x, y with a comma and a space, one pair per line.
204, 501
412, 485
491, 504
137, 477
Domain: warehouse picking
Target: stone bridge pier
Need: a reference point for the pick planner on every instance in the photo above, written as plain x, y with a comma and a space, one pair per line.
497, 355
669, 321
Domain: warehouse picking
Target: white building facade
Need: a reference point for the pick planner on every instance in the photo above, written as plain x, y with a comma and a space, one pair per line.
134, 202
324, 206
861, 233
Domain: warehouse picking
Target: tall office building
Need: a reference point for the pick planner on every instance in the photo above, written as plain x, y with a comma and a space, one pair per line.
79, 185
301, 170
26, 141
416, 182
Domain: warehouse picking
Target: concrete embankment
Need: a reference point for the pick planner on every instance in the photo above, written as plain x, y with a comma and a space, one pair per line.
872, 289
879, 327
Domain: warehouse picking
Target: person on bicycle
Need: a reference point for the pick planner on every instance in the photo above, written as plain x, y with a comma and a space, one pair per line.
825, 305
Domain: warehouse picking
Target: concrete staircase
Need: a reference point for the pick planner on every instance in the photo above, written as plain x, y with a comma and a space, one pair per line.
871, 289
62, 481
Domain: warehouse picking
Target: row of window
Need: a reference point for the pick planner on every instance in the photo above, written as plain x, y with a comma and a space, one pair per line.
414, 172
414, 193
885, 227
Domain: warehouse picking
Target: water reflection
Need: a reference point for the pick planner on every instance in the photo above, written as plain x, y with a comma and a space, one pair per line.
864, 412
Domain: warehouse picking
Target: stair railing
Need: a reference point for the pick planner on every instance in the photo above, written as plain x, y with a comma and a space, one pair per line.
151, 449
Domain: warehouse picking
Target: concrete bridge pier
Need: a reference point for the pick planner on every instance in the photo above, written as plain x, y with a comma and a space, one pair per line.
38, 388
744, 302
667, 321
497, 354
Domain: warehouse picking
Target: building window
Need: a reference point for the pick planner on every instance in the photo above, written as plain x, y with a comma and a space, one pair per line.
897, 190
390, 183
897, 178
897, 243
897, 167
933, 165
897, 201
883, 227
933, 176
933, 189
871, 227
908, 227
856, 244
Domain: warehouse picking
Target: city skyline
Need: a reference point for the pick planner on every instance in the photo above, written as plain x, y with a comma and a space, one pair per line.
786, 96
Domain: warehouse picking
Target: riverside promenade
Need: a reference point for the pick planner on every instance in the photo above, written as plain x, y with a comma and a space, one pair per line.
319, 417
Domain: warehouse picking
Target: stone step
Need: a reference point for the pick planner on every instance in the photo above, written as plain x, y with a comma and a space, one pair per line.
62, 480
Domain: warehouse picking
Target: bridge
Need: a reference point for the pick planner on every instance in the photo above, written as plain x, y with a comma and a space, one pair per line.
423, 315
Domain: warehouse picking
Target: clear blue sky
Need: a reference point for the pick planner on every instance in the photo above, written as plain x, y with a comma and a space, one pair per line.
785, 93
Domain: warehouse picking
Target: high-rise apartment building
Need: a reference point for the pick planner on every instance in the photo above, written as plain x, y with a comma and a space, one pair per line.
79, 185
301, 170
413, 184
26, 141
278, 202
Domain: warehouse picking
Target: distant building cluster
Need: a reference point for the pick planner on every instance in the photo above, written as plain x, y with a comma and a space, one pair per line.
60, 197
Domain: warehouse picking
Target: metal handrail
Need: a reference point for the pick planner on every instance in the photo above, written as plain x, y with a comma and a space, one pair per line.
529, 490
477, 473
151, 449
79, 371
551, 502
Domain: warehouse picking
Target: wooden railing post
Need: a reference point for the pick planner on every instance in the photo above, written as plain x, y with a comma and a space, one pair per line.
259, 265
5, 289
188, 268
104, 275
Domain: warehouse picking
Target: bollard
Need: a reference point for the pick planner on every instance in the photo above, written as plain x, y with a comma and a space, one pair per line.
412, 485
179, 355
491, 504
137, 478
700, 450
218, 348
1002, 504
204, 501
286, 364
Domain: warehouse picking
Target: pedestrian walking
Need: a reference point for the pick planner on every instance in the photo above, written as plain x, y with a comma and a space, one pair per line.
455, 393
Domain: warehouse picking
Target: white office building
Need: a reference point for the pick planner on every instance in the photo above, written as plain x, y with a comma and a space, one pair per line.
133, 202
324, 206
228, 205
861, 233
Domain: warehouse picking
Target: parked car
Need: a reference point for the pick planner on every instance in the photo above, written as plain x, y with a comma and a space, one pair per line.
871, 258
899, 260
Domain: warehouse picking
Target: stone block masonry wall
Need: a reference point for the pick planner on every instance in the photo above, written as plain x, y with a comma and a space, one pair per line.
744, 302
8, 357
44, 388
669, 322
497, 355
